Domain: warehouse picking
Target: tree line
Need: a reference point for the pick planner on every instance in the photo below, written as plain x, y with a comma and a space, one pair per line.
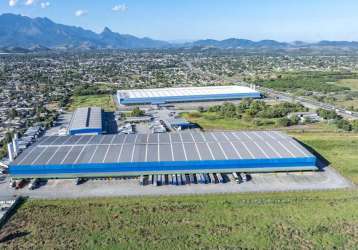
338, 120
258, 109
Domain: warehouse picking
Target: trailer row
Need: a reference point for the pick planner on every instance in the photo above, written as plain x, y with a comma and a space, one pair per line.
202, 178
156, 180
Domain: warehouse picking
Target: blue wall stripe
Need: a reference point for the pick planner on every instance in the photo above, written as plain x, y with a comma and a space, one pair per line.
86, 131
167, 99
160, 166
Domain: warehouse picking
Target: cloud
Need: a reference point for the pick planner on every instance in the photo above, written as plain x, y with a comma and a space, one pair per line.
44, 5
12, 3
120, 8
81, 12
29, 2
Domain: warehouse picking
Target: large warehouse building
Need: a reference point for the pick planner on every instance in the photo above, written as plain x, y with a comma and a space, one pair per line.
191, 94
86, 121
141, 154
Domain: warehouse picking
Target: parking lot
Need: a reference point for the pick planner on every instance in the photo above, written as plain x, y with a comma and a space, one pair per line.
260, 182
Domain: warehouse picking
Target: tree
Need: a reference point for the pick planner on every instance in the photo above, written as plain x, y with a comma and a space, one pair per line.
255, 107
8, 137
137, 112
355, 126
12, 113
228, 110
295, 120
344, 125
328, 114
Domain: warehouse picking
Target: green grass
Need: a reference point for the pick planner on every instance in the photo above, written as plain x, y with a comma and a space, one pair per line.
307, 220
212, 121
340, 149
309, 81
104, 101
353, 101
350, 83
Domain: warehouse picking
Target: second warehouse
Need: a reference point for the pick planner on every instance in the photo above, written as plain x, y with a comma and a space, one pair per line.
86, 121
190, 94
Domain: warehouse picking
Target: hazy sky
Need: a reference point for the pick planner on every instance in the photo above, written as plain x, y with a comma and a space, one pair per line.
283, 20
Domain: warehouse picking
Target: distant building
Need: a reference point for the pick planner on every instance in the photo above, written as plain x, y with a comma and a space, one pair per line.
86, 121
190, 94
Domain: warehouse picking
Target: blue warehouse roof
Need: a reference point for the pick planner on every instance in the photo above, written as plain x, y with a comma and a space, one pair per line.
168, 152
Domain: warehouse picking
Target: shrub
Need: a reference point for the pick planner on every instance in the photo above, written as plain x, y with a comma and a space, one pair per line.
194, 115
295, 120
344, 125
283, 122
281, 110
137, 112
328, 114
201, 109
355, 126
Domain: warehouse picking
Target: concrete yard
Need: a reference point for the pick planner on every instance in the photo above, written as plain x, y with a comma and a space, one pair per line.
269, 182
62, 121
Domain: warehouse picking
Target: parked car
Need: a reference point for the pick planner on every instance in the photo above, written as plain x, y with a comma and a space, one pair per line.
35, 183
243, 177
22, 183
79, 181
12, 183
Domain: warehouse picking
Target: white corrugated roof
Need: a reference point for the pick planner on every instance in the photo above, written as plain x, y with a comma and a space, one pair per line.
189, 91
88, 117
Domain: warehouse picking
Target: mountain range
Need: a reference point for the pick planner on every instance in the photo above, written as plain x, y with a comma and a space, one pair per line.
21, 33
24, 32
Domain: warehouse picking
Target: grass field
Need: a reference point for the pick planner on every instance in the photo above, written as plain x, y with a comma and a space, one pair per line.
307, 220
295, 220
340, 149
104, 101
353, 85
209, 121
350, 83
309, 81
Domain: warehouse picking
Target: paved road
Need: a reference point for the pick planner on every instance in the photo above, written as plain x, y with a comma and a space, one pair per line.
306, 101
310, 103
270, 182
